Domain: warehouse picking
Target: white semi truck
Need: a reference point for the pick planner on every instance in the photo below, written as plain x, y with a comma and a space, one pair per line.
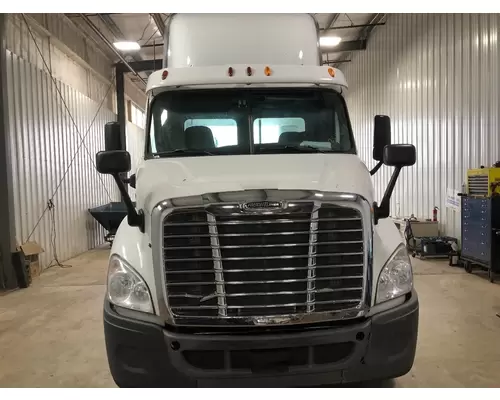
256, 253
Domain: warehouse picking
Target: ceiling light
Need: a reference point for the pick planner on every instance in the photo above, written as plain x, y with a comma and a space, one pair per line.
329, 41
127, 46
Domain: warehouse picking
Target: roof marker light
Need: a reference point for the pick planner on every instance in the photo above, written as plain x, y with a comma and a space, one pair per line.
267, 71
230, 71
331, 71
249, 71
164, 75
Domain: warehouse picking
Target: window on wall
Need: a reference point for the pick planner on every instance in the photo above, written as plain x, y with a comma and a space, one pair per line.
136, 115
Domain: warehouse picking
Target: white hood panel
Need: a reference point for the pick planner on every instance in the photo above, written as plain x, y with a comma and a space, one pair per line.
166, 178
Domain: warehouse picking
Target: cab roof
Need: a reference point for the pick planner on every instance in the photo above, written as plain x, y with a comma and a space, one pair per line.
246, 76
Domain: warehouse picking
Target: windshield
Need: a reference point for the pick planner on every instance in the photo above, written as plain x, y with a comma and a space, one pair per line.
251, 121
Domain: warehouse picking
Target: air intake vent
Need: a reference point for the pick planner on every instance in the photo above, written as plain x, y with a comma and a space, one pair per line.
478, 185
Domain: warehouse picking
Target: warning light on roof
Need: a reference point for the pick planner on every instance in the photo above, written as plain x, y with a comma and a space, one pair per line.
230, 71
249, 71
164, 75
267, 71
331, 71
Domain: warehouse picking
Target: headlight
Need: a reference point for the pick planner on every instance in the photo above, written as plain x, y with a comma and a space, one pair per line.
126, 288
396, 278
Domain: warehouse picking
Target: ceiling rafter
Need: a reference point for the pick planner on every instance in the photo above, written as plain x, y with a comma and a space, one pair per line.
364, 35
332, 18
160, 25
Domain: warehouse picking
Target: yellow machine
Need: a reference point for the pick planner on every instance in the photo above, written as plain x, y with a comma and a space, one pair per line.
483, 182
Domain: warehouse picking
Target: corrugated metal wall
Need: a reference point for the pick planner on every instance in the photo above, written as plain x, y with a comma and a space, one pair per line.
44, 143
64, 30
437, 77
89, 76
46, 146
72, 57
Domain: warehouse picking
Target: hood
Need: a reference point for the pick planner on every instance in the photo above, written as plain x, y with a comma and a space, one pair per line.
161, 179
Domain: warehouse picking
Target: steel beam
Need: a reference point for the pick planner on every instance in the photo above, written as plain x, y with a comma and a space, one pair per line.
8, 278
120, 70
332, 18
375, 21
111, 25
158, 20
140, 66
111, 47
365, 33
116, 31
334, 28
146, 46
120, 105
354, 45
75, 15
334, 62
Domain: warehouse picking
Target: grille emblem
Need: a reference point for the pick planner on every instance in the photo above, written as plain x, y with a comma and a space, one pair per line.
262, 205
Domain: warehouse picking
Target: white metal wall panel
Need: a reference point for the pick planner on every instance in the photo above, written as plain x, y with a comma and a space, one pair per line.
44, 143
437, 76
134, 93
90, 75
86, 69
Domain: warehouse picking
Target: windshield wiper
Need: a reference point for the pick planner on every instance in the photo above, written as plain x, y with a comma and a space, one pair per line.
288, 147
187, 152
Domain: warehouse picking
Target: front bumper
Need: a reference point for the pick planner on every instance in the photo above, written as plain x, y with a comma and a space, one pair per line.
143, 354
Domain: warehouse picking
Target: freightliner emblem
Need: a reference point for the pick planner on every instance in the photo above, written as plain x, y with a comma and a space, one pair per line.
262, 205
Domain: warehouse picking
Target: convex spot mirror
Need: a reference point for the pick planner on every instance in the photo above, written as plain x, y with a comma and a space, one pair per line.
381, 136
113, 162
399, 155
112, 136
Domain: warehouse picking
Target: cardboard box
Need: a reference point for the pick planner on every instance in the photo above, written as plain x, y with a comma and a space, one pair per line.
32, 251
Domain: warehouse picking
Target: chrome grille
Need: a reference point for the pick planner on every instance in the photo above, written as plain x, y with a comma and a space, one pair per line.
307, 258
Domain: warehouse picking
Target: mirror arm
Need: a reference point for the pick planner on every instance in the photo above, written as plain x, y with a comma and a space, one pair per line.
130, 180
383, 210
376, 168
134, 218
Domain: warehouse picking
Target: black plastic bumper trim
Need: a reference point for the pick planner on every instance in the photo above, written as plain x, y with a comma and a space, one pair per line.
142, 354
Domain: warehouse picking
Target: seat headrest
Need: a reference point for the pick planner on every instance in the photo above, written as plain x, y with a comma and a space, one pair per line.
291, 137
199, 138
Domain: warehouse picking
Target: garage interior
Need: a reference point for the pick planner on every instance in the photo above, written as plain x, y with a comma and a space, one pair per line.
436, 75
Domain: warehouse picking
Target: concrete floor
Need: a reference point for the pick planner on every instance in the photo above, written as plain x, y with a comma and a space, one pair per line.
51, 335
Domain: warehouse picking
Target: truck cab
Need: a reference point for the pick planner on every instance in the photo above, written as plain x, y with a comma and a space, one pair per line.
256, 253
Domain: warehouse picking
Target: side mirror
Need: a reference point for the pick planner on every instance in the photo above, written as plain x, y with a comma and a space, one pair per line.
400, 155
381, 136
112, 136
113, 162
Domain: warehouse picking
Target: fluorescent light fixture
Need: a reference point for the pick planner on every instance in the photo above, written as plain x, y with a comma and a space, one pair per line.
127, 46
329, 41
